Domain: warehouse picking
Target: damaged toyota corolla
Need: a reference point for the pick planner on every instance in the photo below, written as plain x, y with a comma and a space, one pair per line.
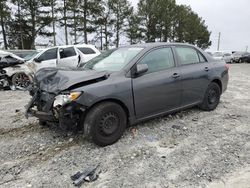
125, 86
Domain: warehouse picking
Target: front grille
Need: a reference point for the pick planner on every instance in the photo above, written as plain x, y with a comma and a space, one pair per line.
45, 101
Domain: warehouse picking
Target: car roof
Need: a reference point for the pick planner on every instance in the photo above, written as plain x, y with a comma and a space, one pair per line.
72, 45
156, 44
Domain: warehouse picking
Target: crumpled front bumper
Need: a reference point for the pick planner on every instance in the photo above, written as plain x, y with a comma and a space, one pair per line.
67, 116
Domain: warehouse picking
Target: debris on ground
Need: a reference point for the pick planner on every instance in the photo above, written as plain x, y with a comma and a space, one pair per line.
88, 175
134, 132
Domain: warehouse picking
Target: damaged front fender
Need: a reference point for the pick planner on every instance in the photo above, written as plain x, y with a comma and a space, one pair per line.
67, 116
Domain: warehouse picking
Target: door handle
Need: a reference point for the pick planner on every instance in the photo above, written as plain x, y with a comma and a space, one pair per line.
175, 75
206, 69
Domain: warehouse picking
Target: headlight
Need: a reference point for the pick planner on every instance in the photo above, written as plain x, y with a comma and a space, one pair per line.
65, 98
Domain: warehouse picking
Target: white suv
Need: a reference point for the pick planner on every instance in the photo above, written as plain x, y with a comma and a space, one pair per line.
63, 56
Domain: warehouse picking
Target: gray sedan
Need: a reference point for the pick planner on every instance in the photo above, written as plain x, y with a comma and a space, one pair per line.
125, 86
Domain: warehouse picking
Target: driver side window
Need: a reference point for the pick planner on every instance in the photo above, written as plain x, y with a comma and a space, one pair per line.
158, 60
49, 55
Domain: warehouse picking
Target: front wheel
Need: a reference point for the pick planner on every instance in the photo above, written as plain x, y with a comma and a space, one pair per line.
211, 98
21, 80
105, 123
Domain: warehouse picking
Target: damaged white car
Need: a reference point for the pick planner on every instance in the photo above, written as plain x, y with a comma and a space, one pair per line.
62, 56
13, 72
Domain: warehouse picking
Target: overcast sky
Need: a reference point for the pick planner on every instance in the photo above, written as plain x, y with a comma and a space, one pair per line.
230, 17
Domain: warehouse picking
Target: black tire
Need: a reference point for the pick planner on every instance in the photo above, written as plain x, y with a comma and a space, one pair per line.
105, 123
211, 98
42, 123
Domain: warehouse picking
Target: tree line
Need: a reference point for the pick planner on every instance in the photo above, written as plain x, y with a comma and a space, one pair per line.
107, 21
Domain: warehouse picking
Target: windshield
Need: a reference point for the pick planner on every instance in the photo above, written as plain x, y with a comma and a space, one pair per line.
218, 54
31, 56
112, 60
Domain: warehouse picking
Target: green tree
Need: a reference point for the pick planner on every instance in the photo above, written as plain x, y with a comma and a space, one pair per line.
32, 20
133, 30
4, 15
63, 19
165, 17
90, 11
164, 20
121, 9
147, 13
190, 28
73, 18
105, 22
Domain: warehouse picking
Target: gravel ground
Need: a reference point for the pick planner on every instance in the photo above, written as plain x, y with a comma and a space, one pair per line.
188, 149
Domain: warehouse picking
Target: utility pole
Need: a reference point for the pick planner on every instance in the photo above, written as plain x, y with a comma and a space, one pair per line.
246, 48
218, 47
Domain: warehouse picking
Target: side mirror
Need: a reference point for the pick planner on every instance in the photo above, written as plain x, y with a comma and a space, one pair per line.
140, 69
37, 60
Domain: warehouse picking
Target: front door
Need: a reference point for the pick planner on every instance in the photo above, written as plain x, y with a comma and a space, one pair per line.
47, 59
159, 89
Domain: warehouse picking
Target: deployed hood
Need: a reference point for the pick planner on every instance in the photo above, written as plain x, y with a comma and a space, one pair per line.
55, 80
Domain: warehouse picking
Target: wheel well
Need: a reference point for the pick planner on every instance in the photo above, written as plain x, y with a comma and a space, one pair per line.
217, 81
114, 101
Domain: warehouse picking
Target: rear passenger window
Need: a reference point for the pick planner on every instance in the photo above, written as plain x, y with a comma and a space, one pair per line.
85, 50
158, 60
67, 52
189, 56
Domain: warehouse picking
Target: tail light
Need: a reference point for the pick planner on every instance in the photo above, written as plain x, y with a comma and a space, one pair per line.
227, 66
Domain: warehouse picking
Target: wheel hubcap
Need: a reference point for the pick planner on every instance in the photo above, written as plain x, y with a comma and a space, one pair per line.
109, 123
212, 96
22, 80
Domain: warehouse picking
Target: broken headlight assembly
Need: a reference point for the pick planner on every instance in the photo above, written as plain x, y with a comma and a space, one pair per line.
64, 98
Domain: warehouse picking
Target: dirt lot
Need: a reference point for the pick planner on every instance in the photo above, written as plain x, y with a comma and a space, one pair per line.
189, 149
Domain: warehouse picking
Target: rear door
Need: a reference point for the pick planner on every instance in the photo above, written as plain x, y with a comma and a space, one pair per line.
68, 57
195, 74
159, 89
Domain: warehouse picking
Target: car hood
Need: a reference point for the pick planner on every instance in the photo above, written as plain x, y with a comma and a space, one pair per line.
55, 80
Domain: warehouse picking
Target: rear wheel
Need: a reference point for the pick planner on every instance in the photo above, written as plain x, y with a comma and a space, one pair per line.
105, 123
211, 98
